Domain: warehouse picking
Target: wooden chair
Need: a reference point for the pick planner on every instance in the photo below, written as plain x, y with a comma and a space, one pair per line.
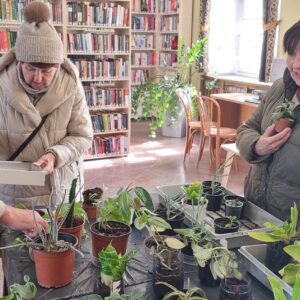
191, 126
210, 117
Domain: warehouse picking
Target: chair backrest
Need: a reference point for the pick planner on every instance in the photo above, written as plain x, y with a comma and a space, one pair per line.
185, 100
210, 114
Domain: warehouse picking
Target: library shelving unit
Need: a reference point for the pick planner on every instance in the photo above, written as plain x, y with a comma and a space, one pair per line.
96, 38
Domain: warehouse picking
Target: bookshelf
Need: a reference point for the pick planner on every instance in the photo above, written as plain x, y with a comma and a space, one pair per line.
96, 36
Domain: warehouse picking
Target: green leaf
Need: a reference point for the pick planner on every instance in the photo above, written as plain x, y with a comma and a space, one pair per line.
144, 197
289, 273
264, 236
276, 288
174, 243
296, 288
293, 251
158, 222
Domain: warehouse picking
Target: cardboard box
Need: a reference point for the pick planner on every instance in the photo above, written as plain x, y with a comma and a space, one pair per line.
21, 173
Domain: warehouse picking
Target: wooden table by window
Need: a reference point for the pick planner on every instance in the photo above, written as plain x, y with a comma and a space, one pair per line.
234, 108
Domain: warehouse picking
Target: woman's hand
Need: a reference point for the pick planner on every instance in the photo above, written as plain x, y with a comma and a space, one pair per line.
46, 162
23, 219
269, 143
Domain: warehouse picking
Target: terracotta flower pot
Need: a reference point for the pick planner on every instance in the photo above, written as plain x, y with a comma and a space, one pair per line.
55, 269
76, 230
91, 210
282, 124
100, 240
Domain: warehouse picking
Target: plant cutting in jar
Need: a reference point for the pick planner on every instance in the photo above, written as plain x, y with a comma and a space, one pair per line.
113, 266
284, 115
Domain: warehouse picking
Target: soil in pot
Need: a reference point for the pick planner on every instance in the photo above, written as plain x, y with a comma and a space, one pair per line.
175, 222
117, 233
234, 289
55, 269
76, 230
206, 277
220, 226
276, 257
239, 213
175, 276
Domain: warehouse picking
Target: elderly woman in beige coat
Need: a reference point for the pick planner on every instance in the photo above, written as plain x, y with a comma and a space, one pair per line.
35, 81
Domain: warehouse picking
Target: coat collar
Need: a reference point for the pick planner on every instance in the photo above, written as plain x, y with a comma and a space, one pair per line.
58, 92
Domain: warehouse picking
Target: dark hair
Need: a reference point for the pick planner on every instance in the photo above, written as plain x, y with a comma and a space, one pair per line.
291, 38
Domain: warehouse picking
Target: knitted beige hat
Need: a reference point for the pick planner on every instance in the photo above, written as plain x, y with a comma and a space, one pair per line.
37, 40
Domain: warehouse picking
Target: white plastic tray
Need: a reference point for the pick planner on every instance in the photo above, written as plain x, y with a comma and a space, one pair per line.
254, 218
255, 256
21, 173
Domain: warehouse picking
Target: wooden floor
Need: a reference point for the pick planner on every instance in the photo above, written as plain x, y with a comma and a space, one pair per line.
153, 162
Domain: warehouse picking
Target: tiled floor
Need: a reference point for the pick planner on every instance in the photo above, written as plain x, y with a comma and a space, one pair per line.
154, 162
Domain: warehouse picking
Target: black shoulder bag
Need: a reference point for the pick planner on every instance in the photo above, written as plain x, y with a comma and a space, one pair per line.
28, 140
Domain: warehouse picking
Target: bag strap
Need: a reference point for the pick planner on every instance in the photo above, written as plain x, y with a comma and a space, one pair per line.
28, 140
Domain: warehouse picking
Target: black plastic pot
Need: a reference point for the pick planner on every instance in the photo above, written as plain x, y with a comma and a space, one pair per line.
220, 228
104, 290
175, 276
234, 289
230, 211
206, 277
207, 184
276, 257
214, 200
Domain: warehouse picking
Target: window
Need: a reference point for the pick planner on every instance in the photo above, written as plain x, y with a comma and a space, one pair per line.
235, 37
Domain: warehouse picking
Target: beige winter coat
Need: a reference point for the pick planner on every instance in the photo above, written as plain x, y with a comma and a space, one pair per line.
67, 131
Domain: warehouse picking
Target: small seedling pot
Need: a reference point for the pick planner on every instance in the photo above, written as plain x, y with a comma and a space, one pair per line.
234, 289
235, 211
76, 230
214, 200
91, 210
281, 124
220, 228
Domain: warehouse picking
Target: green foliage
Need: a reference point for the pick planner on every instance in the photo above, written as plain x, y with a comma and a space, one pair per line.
193, 193
284, 111
158, 94
173, 206
188, 295
232, 221
113, 265
136, 294
70, 216
22, 292
278, 290
283, 233
196, 235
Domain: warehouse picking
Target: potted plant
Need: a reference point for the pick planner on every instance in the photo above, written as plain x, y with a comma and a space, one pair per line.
113, 266
25, 292
195, 293
91, 199
277, 238
73, 215
171, 211
158, 95
234, 205
283, 117
195, 201
226, 224
136, 294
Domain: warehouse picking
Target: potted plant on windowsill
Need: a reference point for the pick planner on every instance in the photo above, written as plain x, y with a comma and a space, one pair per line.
158, 95
277, 238
91, 198
283, 117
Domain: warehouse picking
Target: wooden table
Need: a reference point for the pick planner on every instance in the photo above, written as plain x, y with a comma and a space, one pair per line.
234, 108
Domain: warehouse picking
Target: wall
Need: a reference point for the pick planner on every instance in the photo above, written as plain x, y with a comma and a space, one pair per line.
289, 14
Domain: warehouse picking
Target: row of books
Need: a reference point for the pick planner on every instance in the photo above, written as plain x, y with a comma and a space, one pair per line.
167, 6
7, 39
139, 76
110, 122
96, 42
143, 23
12, 10
169, 23
93, 14
169, 41
142, 41
168, 60
99, 69
99, 98
144, 6
143, 59
113, 145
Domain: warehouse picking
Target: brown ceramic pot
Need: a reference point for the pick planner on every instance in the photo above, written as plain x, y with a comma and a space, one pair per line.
55, 269
76, 230
118, 237
282, 124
